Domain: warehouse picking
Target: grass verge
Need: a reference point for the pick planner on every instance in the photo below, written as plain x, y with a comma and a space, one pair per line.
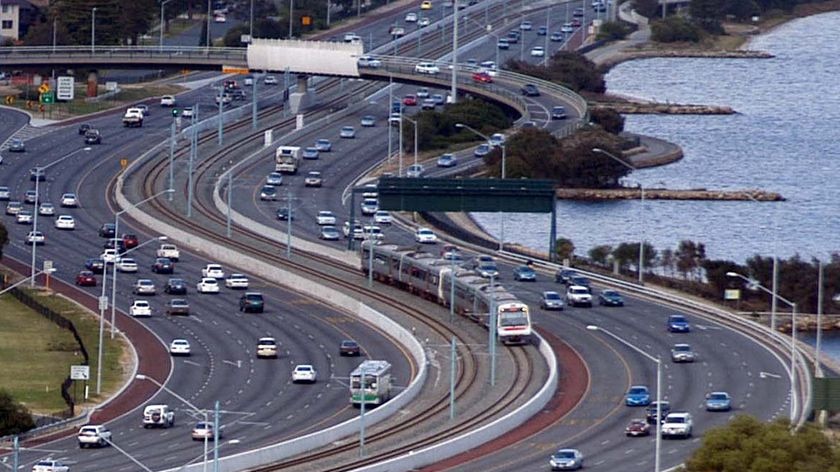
37, 354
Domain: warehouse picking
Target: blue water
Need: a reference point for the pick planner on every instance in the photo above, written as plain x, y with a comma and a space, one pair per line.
783, 139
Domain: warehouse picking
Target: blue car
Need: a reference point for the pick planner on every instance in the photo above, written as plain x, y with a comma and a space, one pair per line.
638, 395
718, 401
482, 150
447, 160
678, 324
311, 153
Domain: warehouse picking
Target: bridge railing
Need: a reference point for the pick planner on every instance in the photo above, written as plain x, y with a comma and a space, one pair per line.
235, 55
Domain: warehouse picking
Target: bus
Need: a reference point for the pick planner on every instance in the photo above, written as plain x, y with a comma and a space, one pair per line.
371, 383
286, 159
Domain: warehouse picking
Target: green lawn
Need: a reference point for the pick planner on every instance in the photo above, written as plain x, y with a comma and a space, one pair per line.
36, 354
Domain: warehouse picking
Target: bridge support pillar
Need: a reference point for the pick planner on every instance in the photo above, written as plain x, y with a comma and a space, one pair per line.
303, 96
92, 84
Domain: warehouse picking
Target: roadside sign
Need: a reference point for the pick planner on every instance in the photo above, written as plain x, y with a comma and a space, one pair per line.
111, 86
44, 88
48, 265
10, 99
80, 372
47, 97
103, 303
65, 87
732, 294
245, 38
234, 70
123, 163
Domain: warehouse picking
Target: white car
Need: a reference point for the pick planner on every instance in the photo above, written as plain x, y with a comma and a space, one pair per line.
169, 251
140, 308
187, 112
69, 200
411, 17
50, 466
369, 206
127, 264
46, 209
304, 373
425, 236
24, 217
167, 101
313, 179
415, 171
208, 285
179, 347
270, 80
326, 218
144, 287
110, 256
677, 425
347, 132
94, 435
371, 191
373, 232
382, 217
497, 139
65, 222
236, 281
369, 61
578, 295
35, 237
249, 81
267, 347
537, 51
427, 68
424, 22
213, 271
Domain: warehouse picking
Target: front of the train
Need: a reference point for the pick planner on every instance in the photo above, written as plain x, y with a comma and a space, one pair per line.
513, 323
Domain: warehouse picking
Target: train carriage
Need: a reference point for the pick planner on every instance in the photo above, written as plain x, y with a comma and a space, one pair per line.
431, 277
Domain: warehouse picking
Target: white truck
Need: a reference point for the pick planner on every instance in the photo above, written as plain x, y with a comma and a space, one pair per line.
158, 416
287, 159
169, 250
578, 295
133, 118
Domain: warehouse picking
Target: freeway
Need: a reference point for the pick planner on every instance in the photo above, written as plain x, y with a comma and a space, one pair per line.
259, 402
728, 360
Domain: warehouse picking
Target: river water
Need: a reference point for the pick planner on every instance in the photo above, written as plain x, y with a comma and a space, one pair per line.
784, 138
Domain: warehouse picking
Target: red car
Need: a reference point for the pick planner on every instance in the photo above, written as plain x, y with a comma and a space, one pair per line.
410, 100
130, 241
482, 77
86, 279
637, 427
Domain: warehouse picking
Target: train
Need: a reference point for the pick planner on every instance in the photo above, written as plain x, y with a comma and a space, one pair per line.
429, 276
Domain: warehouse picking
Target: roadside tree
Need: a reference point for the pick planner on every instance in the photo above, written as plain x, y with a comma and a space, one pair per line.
14, 417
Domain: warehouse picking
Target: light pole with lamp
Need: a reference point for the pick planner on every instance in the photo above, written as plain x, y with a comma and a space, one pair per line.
93, 30
754, 284
641, 212
39, 173
658, 361
504, 174
454, 91
413, 122
117, 235
775, 282
208, 25
192, 407
487, 29
162, 21
103, 305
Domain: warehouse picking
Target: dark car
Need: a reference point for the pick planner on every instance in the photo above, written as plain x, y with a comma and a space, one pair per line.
678, 324
284, 214
524, 274
558, 113
349, 348
86, 278
251, 302
530, 90
563, 276
581, 281
610, 298
83, 128
542, 31
176, 287
17, 145
650, 411
115, 243
163, 265
107, 230
92, 136
238, 94
95, 265
178, 306
130, 240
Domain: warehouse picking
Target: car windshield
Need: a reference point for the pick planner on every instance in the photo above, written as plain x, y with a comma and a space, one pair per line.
682, 348
677, 319
638, 391
552, 296
675, 419
267, 342
565, 455
718, 396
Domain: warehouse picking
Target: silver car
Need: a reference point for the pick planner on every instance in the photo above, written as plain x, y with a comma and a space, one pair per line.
144, 287
566, 459
682, 353
551, 300
274, 178
348, 132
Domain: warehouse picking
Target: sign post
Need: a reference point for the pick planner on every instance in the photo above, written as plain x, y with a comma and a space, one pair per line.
65, 87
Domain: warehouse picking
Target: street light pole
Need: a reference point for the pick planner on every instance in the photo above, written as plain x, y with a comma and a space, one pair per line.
208, 25
658, 361
93, 30
454, 91
641, 212
413, 122
504, 175
754, 283
117, 235
162, 21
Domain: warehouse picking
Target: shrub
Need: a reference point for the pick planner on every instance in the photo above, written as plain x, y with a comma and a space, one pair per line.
570, 69
607, 118
614, 31
674, 29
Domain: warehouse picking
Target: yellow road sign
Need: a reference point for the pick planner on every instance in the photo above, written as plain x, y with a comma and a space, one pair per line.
44, 88
123, 163
10, 99
234, 70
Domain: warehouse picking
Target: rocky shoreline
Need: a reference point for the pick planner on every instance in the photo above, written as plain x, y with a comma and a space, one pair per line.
632, 107
666, 194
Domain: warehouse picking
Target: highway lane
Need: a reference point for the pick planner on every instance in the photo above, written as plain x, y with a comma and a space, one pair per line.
219, 334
